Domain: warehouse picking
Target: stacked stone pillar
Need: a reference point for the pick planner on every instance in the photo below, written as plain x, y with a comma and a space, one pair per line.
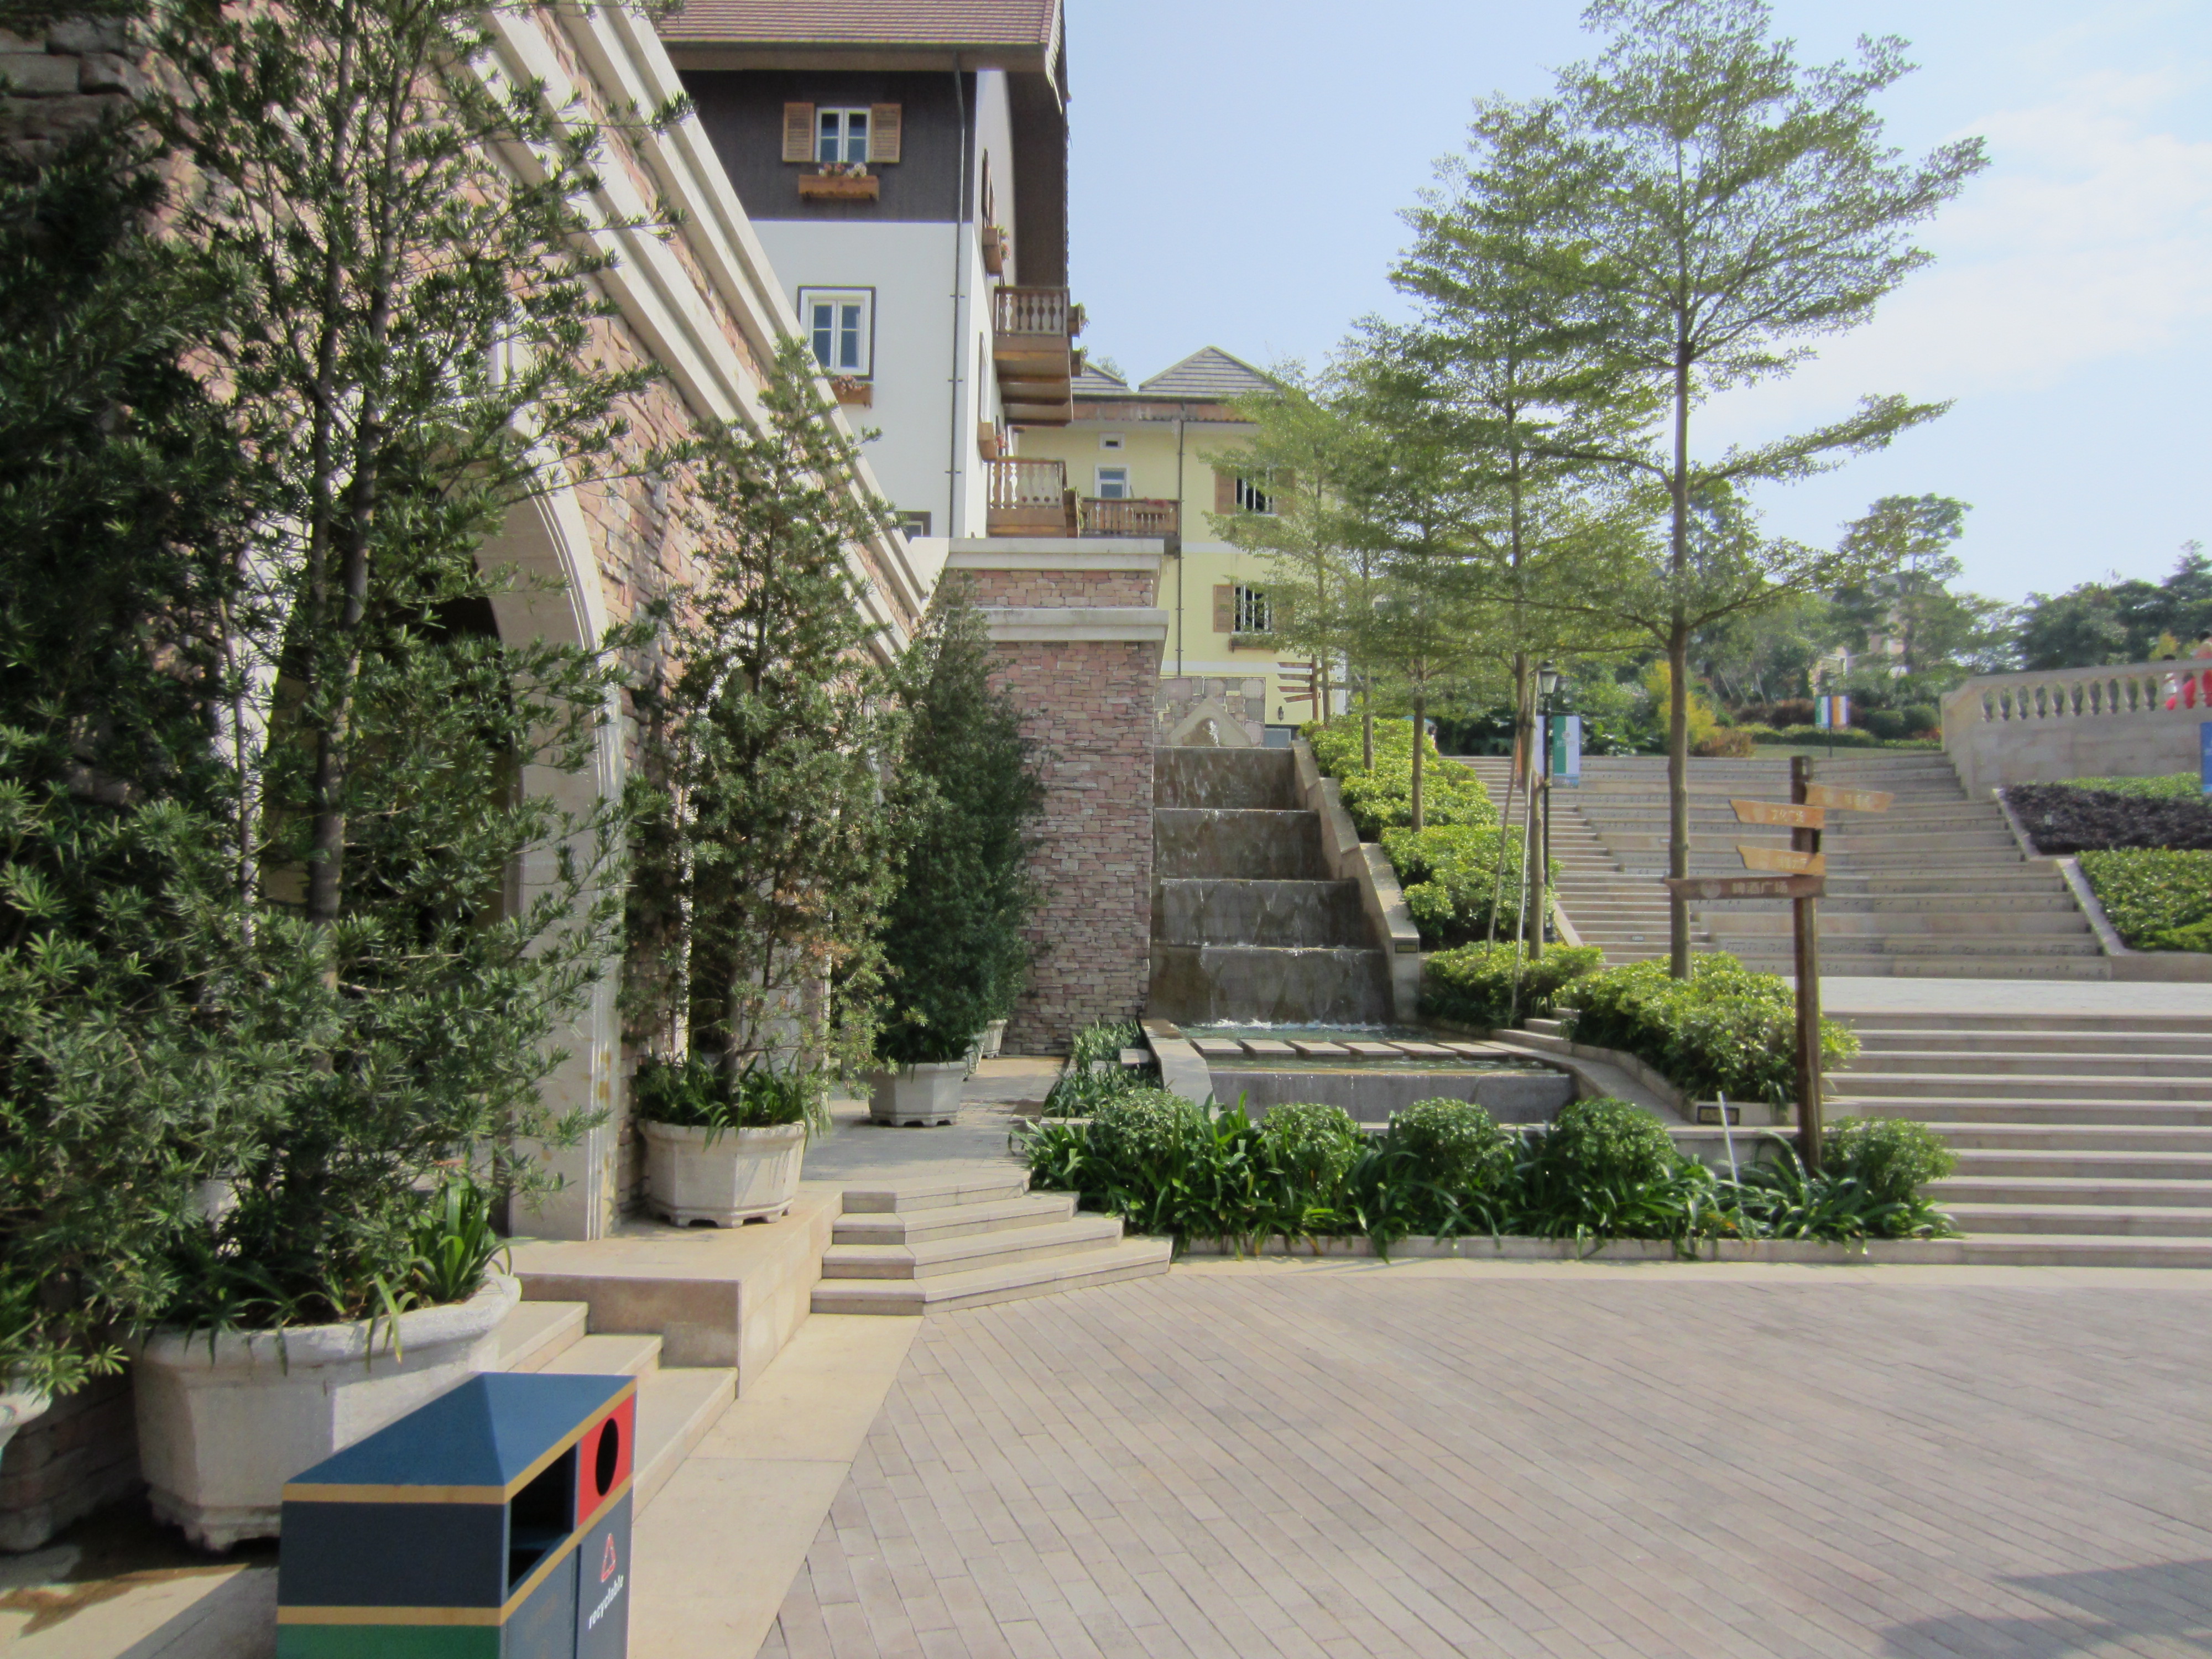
1079, 635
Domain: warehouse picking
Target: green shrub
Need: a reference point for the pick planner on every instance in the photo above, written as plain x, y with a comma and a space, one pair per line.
2156, 900
2174, 786
1451, 873
1724, 1030
1892, 1157
1607, 1169
1474, 984
1384, 798
1456, 1144
701, 1093
1313, 1145
1105, 1040
1845, 736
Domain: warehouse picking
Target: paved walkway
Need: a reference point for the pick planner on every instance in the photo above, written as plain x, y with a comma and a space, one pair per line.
1440, 1459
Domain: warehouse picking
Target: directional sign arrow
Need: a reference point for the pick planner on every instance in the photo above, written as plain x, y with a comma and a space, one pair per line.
1770, 812
1781, 858
1849, 800
1712, 887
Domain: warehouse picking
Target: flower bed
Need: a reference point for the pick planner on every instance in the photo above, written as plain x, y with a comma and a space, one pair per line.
2071, 817
1444, 1169
2156, 900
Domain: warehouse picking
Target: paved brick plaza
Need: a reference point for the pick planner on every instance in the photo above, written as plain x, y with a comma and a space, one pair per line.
1254, 1460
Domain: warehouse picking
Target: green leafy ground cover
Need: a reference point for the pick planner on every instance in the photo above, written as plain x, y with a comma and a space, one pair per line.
1460, 865
1445, 1169
2173, 786
2156, 900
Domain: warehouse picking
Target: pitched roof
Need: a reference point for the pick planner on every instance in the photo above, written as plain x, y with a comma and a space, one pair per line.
859, 23
1208, 373
1097, 382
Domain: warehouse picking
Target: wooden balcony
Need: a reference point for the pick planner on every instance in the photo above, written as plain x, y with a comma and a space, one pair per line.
1128, 516
1033, 348
1028, 498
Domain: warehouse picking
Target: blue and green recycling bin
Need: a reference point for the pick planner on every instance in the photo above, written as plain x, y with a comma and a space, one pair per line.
491, 1523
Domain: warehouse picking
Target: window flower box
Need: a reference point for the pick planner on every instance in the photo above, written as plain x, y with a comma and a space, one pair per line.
840, 186
994, 249
851, 389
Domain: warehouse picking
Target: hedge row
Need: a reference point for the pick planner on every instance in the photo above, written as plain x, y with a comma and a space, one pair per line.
2155, 899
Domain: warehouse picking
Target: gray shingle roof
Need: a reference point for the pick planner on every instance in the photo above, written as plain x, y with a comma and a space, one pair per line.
1209, 373
1096, 382
870, 22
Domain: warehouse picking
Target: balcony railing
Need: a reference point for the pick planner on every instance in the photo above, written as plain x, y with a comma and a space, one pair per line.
1129, 516
1032, 345
1028, 498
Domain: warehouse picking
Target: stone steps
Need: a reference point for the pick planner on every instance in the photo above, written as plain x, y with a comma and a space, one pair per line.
962, 1244
674, 1406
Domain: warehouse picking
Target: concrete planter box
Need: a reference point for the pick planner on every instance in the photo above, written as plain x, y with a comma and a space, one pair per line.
723, 1176
987, 1045
220, 1432
927, 1093
17, 1407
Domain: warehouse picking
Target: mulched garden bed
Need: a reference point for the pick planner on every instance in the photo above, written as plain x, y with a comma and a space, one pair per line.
2060, 818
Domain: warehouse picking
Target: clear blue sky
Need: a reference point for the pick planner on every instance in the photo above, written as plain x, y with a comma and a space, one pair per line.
1240, 166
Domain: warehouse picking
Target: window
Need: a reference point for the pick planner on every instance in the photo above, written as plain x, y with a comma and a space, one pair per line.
1252, 612
1112, 483
840, 135
1109, 440
912, 525
840, 326
1251, 498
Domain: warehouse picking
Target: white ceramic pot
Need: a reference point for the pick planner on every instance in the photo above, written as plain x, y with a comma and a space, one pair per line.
993, 1034
17, 1407
722, 1176
927, 1093
220, 1432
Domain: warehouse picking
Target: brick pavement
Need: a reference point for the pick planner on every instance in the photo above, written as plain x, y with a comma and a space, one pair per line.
1427, 1460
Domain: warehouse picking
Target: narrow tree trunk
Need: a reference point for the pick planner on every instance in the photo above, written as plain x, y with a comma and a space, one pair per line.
1367, 721
1420, 703
1678, 688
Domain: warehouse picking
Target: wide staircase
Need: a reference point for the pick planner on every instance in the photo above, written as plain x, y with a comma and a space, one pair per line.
1936, 885
2082, 1139
1249, 922
676, 1406
965, 1241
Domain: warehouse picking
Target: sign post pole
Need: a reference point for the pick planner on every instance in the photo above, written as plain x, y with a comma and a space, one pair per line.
1805, 913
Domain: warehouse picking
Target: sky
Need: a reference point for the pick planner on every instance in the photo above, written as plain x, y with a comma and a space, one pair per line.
1239, 168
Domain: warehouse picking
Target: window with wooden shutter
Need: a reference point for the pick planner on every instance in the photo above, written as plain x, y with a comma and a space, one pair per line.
886, 128
1224, 607
1224, 494
798, 132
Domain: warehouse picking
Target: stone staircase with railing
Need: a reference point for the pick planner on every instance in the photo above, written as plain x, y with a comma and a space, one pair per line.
1935, 887
2082, 1139
964, 1241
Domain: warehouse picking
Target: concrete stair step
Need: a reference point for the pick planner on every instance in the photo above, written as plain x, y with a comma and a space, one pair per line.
536, 1333
2023, 1086
970, 1251
932, 1194
2036, 1024
2088, 1165
2151, 1114
675, 1409
1886, 1037
1132, 1258
2136, 1137
2083, 1250
895, 1227
607, 1356
2035, 1061
2122, 1220
2059, 1189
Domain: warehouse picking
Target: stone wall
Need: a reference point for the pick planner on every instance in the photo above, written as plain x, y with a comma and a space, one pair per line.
1070, 587
63, 79
1230, 710
2048, 726
81, 1454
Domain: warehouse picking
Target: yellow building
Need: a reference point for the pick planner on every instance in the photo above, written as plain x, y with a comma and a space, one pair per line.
1134, 461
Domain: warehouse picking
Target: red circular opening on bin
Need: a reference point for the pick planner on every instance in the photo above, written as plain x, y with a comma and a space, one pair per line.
608, 1458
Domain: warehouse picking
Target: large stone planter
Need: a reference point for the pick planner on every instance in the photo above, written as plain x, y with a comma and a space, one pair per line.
220, 1432
927, 1093
17, 1407
987, 1045
722, 1176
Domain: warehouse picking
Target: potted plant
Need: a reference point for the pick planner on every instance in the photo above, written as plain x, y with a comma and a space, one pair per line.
967, 796
727, 1146
235, 1398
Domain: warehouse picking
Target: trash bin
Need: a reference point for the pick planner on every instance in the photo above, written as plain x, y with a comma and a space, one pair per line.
491, 1523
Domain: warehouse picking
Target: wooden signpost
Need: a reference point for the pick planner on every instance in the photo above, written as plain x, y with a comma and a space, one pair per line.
1800, 876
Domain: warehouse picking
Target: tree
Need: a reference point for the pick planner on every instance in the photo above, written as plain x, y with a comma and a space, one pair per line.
763, 856
415, 350
2116, 621
968, 795
1718, 207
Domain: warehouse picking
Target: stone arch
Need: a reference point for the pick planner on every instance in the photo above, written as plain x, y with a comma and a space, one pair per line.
1227, 732
546, 542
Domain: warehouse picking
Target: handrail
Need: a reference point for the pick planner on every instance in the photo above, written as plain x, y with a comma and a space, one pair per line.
1016, 482
1129, 515
1030, 310
2080, 693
